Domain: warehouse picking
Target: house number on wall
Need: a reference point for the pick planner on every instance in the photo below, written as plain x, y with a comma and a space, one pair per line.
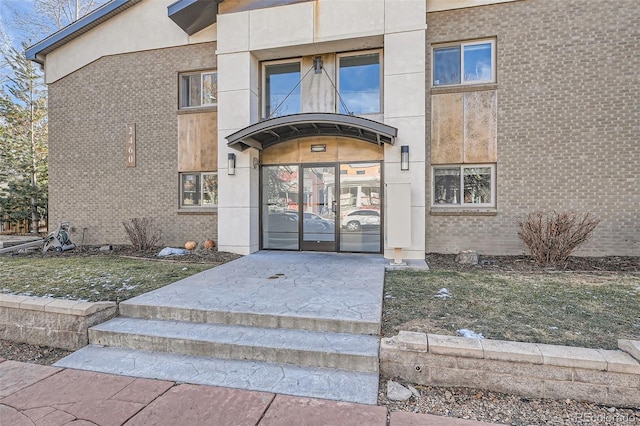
131, 145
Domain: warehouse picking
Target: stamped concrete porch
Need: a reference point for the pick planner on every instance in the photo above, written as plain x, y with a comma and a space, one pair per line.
295, 323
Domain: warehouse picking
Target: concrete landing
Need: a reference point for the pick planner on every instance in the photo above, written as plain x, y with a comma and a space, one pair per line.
310, 291
280, 378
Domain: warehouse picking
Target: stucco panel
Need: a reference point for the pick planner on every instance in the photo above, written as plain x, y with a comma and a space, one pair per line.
347, 19
144, 26
281, 26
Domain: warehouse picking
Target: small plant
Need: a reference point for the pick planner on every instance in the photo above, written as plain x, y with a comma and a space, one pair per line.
142, 233
551, 236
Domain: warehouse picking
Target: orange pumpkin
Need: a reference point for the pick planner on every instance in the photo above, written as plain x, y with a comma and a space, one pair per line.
209, 244
190, 245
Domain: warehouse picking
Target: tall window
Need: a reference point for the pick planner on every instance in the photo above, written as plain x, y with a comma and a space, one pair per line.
281, 94
198, 189
464, 63
468, 185
359, 82
198, 89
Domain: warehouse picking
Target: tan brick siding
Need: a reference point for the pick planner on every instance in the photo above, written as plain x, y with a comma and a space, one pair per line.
568, 74
88, 110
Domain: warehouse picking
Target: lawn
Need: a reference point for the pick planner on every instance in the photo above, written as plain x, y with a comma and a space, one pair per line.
90, 278
590, 309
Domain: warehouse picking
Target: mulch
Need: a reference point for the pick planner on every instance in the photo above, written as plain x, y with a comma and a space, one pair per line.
448, 262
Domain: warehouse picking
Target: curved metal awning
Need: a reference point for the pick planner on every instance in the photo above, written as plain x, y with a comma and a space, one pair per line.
281, 129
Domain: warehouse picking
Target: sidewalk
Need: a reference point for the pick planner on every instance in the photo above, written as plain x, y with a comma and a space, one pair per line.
33, 394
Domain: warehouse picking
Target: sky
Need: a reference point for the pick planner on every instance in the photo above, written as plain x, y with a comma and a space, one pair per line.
6, 11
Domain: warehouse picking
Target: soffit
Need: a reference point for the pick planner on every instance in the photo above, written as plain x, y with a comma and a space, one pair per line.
193, 15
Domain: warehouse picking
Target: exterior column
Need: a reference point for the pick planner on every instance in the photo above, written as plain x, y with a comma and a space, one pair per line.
238, 194
405, 109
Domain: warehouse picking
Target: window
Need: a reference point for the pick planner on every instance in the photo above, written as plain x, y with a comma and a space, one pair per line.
198, 189
198, 89
464, 63
359, 83
281, 94
467, 186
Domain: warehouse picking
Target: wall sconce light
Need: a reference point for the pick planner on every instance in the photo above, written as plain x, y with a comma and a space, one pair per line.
404, 157
317, 64
231, 170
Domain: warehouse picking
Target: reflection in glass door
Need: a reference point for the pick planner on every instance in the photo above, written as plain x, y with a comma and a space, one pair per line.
312, 207
360, 207
279, 209
318, 208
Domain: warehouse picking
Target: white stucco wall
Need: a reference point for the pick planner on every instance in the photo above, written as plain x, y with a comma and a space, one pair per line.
144, 26
440, 5
316, 27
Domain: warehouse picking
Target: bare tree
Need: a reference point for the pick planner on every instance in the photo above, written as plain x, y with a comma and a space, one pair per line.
48, 16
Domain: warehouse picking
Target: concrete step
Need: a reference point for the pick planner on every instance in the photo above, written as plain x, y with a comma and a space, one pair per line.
247, 317
284, 379
300, 347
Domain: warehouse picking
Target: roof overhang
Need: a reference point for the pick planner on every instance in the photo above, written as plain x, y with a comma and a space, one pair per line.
193, 15
281, 129
38, 51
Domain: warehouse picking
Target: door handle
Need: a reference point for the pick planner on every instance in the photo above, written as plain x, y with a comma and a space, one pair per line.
333, 206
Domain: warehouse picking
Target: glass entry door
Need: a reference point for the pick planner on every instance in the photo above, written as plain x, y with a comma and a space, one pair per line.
318, 208
360, 207
322, 207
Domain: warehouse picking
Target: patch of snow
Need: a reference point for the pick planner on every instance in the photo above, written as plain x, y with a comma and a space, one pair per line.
553, 328
184, 269
169, 251
464, 332
443, 293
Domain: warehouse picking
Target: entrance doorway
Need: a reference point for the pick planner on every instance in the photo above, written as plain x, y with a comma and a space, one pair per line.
322, 207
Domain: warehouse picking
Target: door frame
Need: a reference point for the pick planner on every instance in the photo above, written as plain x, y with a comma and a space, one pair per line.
309, 245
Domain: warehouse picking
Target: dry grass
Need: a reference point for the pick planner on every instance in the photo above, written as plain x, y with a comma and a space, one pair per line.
564, 308
91, 278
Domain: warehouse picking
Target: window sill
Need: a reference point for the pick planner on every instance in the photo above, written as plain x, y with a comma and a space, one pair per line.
197, 210
439, 90
195, 110
463, 211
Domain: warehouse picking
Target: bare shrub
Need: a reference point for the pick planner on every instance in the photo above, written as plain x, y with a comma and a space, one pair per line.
142, 233
551, 236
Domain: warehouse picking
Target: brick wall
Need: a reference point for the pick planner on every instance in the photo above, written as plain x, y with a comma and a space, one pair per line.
88, 110
568, 120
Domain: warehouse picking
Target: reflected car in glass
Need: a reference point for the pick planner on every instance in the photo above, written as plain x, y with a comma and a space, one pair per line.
358, 219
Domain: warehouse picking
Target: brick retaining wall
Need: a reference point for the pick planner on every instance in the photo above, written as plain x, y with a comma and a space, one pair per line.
51, 322
526, 369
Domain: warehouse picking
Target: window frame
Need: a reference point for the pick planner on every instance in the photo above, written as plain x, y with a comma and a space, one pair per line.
263, 80
200, 191
461, 203
462, 44
201, 73
380, 78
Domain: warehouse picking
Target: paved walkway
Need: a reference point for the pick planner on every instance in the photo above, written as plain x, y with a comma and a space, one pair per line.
41, 395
